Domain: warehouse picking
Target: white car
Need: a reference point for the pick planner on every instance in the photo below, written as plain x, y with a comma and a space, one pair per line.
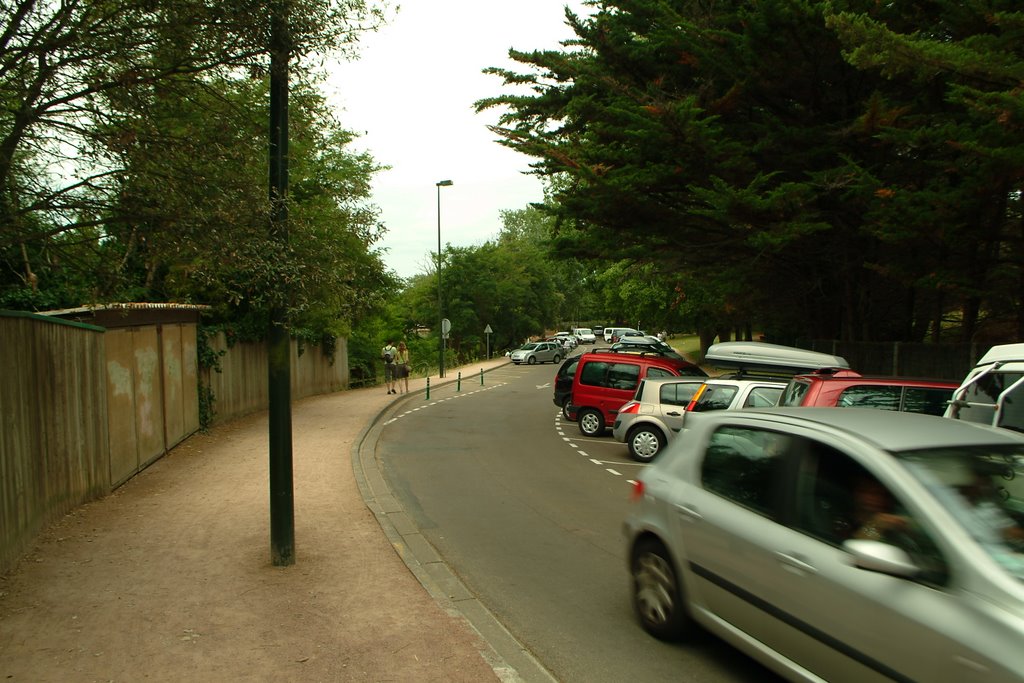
837, 545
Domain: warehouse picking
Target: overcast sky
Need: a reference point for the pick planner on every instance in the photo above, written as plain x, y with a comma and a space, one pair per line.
411, 95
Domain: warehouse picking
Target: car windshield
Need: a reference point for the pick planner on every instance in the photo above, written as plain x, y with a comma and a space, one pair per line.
983, 488
529, 347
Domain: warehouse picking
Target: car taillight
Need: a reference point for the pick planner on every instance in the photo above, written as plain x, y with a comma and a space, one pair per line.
638, 491
630, 408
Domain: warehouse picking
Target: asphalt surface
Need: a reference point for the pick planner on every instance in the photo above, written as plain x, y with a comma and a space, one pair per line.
170, 576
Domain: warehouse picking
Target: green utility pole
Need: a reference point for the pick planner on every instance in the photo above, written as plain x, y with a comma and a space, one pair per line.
282, 508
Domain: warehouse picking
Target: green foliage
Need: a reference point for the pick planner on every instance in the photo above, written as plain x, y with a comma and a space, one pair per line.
859, 161
156, 114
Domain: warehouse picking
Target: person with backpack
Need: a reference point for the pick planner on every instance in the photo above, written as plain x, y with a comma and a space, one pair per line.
389, 354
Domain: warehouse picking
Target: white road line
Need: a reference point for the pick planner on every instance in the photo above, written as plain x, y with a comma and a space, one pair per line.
609, 469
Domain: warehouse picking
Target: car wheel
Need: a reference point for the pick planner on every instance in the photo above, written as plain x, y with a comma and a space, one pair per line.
644, 442
556, 359
658, 598
591, 422
565, 410
532, 360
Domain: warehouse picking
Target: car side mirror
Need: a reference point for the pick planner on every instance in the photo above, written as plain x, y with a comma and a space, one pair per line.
884, 558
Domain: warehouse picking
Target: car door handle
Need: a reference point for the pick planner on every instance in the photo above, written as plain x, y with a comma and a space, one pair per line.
673, 413
796, 563
689, 512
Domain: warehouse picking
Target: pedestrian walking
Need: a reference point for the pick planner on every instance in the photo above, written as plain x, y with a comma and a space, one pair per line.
389, 354
404, 368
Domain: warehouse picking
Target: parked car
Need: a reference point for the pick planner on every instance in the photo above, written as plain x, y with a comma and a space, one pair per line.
612, 334
605, 381
729, 393
848, 389
655, 413
837, 545
646, 424
993, 391
563, 383
567, 339
538, 352
584, 335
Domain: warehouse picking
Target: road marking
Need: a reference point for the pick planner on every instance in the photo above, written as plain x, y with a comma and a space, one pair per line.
609, 469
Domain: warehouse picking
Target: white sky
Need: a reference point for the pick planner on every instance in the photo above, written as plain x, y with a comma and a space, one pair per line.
411, 95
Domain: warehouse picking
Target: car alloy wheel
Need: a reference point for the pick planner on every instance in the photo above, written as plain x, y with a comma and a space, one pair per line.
532, 360
591, 422
657, 598
645, 443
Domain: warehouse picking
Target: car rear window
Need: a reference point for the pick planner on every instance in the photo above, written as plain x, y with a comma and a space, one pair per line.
678, 394
927, 401
715, 397
611, 375
794, 393
743, 465
762, 397
879, 398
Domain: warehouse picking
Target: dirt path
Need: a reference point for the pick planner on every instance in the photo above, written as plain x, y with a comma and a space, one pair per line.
169, 577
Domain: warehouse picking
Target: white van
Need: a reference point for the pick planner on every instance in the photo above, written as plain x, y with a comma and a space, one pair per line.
993, 392
616, 332
584, 335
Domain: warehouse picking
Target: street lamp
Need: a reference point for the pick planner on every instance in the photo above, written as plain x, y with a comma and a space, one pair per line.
440, 306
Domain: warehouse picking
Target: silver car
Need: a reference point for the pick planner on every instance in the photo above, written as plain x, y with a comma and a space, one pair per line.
646, 423
656, 412
837, 545
538, 352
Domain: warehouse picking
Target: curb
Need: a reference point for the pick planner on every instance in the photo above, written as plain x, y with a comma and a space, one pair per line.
510, 660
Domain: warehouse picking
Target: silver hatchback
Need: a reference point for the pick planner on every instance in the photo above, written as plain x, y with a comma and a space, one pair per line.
647, 423
538, 352
838, 545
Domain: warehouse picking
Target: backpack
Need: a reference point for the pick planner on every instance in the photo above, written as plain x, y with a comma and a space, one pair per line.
387, 357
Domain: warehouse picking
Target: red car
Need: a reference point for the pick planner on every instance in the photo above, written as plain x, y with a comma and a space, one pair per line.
849, 389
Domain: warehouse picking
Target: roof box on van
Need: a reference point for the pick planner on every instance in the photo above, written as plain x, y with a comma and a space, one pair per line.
762, 357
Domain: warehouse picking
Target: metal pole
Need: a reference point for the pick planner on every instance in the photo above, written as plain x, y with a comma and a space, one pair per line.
440, 304
282, 509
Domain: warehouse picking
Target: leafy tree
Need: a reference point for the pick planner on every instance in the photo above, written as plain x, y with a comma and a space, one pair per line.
170, 135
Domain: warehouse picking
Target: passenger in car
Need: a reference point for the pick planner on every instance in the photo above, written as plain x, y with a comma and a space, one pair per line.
874, 517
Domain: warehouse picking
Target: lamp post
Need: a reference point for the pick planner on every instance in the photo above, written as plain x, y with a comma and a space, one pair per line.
440, 306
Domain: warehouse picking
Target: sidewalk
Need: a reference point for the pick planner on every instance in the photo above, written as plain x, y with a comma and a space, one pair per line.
169, 578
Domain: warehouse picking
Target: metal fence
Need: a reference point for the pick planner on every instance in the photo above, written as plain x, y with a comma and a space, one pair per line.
935, 361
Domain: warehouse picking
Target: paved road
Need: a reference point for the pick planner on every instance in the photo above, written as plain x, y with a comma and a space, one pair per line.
527, 513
